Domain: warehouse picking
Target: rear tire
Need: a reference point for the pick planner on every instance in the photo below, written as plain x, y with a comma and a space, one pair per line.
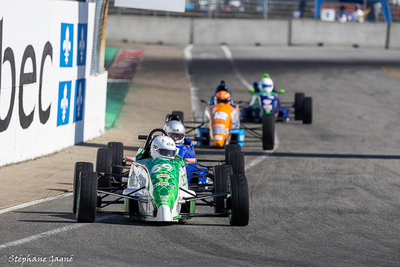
230, 148
221, 174
79, 167
236, 160
86, 197
104, 164
298, 106
238, 200
268, 131
118, 157
179, 114
307, 110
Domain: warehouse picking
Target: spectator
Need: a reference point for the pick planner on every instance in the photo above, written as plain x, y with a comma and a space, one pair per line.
358, 14
343, 15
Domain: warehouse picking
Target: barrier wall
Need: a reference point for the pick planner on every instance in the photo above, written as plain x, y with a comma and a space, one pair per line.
48, 100
249, 32
312, 32
239, 32
147, 29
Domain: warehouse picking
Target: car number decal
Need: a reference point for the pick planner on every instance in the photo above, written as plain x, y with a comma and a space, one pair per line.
159, 167
221, 115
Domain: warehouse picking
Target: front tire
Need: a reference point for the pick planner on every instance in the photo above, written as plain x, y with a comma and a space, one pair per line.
118, 157
221, 174
298, 106
307, 110
86, 197
79, 167
104, 162
268, 131
238, 209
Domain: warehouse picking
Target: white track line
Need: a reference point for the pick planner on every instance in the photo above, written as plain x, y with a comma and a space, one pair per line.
259, 159
31, 203
49, 233
197, 110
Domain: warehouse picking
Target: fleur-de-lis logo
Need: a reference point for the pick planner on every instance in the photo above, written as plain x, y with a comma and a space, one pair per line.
66, 45
79, 101
64, 103
82, 44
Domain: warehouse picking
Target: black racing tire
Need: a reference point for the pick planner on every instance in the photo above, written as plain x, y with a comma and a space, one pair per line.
179, 114
104, 162
307, 110
298, 106
230, 148
86, 197
236, 160
238, 201
133, 206
118, 158
221, 174
268, 131
79, 167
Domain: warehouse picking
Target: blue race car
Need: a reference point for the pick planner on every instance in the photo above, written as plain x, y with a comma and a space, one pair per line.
266, 107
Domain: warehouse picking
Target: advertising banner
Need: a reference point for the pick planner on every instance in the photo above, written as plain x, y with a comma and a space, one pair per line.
162, 5
45, 59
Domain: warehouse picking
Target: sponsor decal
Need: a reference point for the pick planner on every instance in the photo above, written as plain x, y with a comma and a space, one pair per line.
79, 99
219, 130
161, 167
82, 43
164, 175
8, 60
165, 184
64, 97
66, 45
218, 137
267, 101
221, 115
267, 107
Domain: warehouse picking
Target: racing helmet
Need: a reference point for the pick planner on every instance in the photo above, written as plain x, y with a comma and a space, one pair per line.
175, 130
266, 85
172, 117
222, 87
163, 146
222, 97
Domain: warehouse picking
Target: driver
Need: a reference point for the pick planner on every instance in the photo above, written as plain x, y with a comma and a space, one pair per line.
222, 87
185, 149
176, 131
160, 146
163, 146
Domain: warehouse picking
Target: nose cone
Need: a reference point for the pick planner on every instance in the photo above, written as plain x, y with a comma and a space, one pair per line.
164, 214
218, 140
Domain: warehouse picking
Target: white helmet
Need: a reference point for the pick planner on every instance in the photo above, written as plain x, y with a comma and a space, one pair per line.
163, 146
175, 130
266, 85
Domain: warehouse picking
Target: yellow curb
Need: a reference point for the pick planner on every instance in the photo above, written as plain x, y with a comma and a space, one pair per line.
391, 72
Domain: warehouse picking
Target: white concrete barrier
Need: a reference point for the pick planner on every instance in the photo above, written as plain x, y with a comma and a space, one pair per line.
240, 32
312, 32
148, 29
394, 36
249, 32
48, 100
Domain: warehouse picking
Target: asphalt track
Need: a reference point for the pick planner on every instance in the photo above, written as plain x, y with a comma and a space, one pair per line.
327, 196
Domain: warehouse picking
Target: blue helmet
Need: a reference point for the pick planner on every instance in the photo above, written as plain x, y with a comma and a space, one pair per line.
222, 87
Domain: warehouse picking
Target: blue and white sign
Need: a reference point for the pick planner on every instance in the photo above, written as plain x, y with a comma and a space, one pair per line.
82, 43
64, 102
79, 99
66, 45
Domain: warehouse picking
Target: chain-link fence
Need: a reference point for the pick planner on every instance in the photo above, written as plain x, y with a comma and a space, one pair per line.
257, 9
